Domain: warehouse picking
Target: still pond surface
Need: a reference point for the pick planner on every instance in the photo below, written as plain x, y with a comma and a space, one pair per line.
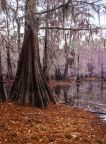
89, 95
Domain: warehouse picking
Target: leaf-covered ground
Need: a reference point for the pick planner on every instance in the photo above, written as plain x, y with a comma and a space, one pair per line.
58, 124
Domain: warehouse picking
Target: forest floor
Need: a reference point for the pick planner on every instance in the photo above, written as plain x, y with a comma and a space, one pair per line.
53, 83
58, 124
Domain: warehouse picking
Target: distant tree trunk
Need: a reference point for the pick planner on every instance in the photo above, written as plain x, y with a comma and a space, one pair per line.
30, 87
65, 76
102, 72
66, 95
18, 31
78, 76
9, 65
2, 89
45, 58
58, 74
66, 70
18, 26
102, 69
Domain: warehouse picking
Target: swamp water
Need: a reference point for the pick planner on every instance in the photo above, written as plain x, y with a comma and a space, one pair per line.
89, 95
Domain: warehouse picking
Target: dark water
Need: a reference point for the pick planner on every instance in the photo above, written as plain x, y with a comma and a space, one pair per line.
89, 95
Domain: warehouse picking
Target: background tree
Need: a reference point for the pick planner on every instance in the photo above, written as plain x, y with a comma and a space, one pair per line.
45, 58
3, 95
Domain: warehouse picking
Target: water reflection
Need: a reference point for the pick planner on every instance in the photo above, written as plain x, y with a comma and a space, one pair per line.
90, 95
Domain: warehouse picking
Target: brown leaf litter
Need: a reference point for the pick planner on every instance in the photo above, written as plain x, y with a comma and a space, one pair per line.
58, 124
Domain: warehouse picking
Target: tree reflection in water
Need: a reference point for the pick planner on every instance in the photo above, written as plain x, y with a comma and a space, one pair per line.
66, 95
90, 95
90, 87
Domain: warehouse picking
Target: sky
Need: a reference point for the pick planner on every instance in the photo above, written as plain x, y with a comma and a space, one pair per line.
102, 18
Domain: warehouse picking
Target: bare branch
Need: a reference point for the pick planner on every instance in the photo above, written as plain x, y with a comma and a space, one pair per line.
53, 9
93, 4
73, 29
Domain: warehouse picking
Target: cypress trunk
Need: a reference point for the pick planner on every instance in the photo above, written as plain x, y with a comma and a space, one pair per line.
30, 87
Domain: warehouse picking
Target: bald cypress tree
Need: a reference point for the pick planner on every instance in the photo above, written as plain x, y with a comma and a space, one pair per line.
30, 87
